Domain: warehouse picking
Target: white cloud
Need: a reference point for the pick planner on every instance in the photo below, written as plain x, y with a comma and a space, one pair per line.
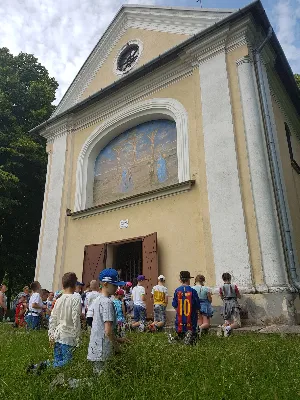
60, 33
287, 19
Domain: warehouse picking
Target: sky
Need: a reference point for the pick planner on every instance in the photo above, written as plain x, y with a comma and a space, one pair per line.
62, 33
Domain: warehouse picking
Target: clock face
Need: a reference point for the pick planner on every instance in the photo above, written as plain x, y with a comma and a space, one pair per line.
128, 57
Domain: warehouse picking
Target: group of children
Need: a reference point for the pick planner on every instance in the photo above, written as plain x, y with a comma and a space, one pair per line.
33, 310
107, 310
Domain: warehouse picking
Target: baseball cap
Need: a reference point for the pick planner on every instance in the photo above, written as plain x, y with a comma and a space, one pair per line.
161, 277
128, 284
141, 278
185, 275
110, 275
79, 283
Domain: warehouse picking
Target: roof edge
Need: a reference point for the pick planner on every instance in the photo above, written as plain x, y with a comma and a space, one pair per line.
197, 9
259, 13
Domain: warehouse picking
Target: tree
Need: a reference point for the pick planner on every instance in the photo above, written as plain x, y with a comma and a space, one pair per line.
297, 79
26, 96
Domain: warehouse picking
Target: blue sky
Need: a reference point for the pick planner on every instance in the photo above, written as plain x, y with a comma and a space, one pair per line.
62, 33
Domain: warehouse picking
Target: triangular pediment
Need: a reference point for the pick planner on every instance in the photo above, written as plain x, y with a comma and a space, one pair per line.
155, 29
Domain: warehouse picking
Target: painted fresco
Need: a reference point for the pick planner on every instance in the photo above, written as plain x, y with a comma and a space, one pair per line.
140, 159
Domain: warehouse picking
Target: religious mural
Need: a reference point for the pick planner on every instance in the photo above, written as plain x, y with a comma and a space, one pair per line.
140, 159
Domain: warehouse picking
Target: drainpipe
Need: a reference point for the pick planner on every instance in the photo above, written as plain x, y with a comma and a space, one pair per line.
274, 162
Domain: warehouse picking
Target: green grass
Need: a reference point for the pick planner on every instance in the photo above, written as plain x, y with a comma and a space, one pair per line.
249, 366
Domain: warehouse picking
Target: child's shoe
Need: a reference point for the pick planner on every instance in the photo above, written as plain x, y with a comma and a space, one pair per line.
220, 331
141, 327
227, 331
199, 332
171, 339
188, 337
98, 367
58, 381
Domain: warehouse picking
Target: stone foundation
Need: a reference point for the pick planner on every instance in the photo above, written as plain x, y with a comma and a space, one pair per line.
259, 309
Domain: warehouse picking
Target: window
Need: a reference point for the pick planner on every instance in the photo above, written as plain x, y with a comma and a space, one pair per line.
127, 57
294, 163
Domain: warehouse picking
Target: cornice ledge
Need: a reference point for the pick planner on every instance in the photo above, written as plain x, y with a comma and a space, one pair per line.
135, 200
225, 40
138, 92
58, 129
244, 60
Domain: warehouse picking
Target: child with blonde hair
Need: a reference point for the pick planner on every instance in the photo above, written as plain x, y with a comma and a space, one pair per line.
206, 310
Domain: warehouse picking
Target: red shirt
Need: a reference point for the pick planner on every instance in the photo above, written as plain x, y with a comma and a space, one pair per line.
19, 318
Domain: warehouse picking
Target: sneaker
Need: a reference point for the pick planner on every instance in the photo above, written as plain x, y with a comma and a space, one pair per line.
98, 367
58, 381
220, 331
76, 383
141, 327
171, 338
227, 331
188, 337
199, 332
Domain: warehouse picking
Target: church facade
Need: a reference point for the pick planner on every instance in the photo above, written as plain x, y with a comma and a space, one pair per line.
177, 147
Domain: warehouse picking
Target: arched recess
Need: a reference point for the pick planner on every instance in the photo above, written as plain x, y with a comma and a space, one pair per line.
159, 108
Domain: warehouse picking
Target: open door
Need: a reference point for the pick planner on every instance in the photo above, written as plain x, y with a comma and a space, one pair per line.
94, 262
150, 268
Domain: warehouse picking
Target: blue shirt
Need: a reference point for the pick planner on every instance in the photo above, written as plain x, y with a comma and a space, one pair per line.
118, 309
187, 303
202, 291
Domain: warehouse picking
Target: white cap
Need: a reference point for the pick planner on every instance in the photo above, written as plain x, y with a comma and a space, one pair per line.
161, 277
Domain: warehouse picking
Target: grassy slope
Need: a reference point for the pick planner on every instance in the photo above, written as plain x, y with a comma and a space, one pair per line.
243, 367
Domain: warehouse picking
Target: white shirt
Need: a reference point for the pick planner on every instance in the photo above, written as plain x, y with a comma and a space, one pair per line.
64, 323
90, 298
137, 293
35, 298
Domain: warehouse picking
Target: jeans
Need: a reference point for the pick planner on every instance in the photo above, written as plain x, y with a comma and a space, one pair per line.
139, 314
33, 321
63, 354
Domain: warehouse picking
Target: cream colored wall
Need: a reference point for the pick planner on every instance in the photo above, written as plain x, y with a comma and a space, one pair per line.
154, 44
243, 166
49, 150
181, 221
292, 179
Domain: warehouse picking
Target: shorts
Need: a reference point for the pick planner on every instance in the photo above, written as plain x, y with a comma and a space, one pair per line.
89, 321
206, 308
139, 314
159, 313
231, 311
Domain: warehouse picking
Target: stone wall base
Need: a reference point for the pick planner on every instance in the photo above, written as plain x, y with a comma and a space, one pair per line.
259, 309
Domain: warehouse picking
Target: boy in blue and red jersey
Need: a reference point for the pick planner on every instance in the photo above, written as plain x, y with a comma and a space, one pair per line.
187, 304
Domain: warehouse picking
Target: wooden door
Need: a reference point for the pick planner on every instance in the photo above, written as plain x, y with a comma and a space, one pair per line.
94, 262
150, 268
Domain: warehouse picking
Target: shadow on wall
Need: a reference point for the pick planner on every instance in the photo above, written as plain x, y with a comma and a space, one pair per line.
266, 309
